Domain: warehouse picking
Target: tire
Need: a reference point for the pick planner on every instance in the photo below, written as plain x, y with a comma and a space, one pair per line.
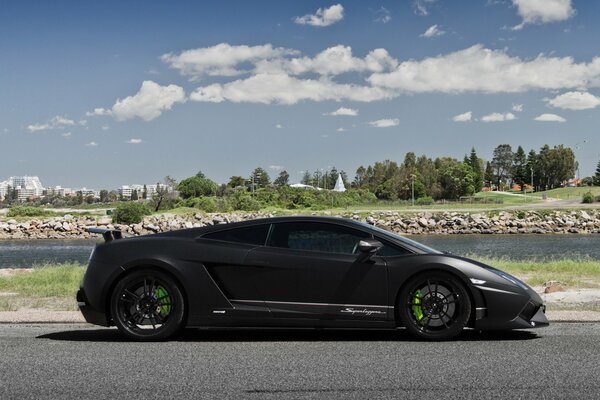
434, 306
147, 305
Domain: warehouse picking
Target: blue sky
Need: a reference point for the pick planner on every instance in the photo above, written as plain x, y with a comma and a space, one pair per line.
108, 93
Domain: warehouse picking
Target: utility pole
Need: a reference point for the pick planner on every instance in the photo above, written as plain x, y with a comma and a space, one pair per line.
413, 189
531, 179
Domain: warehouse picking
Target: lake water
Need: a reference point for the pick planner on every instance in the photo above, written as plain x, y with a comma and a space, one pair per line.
25, 253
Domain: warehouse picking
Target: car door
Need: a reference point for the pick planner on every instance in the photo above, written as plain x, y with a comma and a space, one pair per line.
224, 253
310, 270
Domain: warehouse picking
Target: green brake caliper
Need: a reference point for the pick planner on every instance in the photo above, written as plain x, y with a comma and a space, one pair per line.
416, 308
165, 303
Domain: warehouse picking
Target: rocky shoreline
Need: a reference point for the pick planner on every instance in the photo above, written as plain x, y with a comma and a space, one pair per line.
503, 222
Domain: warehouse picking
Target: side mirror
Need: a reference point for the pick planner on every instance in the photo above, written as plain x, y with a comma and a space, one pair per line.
368, 248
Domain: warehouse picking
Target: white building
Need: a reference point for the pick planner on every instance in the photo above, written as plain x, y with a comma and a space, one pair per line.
126, 191
26, 186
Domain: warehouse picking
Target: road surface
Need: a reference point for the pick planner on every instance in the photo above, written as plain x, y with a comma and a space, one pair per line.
80, 361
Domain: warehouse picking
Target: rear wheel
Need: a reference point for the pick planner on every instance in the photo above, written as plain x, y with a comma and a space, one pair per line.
147, 305
434, 306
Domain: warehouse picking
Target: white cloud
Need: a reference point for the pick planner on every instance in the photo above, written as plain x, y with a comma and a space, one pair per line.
383, 15
323, 16
385, 123
343, 111
550, 118
98, 112
285, 76
575, 101
421, 7
279, 126
341, 129
66, 135
57, 122
477, 69
222, 59
517, 107
276, 167
284, 89
433, 31
542, 11
147, 104
38, 127
498, 117
91, 144
464, 117
134, 141
105, 127
332, 61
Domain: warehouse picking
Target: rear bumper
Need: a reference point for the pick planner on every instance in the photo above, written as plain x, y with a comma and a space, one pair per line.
91, 315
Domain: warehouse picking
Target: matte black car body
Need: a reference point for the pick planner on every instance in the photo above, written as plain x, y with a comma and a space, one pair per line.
227, 284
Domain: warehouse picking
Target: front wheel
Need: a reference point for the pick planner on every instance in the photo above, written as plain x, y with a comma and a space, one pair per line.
434, 306
147, 305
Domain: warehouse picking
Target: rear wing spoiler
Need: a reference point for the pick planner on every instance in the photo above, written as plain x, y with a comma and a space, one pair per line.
107, 234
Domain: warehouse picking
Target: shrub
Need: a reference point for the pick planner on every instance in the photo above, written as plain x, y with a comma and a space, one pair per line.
129, 213
206, 204
521, 214
588, 198
424, 201
242, 200
27, 211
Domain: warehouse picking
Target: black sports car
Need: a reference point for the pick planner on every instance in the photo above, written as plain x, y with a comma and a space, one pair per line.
296, 272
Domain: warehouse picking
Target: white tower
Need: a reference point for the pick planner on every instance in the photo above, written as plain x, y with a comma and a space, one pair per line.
339, 184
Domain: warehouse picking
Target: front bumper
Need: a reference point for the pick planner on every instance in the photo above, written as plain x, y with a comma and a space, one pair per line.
510, 310
91, 315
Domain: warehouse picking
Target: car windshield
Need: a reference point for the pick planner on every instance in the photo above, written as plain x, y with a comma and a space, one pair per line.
402, 239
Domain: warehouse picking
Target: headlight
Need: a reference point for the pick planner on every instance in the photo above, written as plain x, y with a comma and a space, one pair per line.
510, 278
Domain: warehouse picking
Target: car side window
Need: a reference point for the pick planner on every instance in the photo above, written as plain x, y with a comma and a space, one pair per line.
256, 235
316, 236
390, 250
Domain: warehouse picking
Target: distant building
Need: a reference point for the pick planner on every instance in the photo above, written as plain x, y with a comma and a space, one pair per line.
339, 184
26, 187
126, 191
59, 191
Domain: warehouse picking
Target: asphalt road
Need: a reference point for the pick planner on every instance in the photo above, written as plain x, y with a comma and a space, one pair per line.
80, 361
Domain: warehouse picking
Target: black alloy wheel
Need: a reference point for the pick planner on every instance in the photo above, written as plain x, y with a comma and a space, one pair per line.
434, 306
147, 305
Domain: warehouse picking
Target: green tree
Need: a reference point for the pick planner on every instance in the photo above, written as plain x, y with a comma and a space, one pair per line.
562, 165
196, 186
306, 178
103, 196
134, 194
359, 177
597, 175
502, 162
236, 181
532, 169
519, 170
457, 179
282, 180
332, 177
145, 192
477, 167
260, 177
